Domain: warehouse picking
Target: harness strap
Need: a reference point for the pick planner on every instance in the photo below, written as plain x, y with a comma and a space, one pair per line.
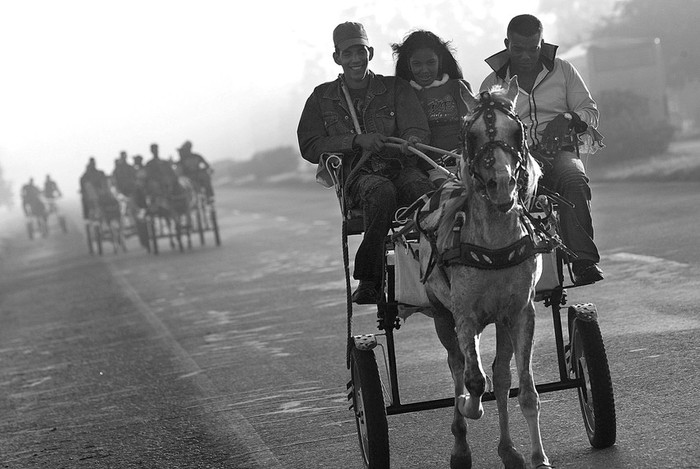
490, 259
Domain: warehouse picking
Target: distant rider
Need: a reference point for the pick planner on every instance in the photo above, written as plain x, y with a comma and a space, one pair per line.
124, 176
30, 195
96, 179
196, 168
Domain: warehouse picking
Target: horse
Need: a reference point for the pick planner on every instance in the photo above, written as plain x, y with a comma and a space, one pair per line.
35, 209
171, 200
480, 267
104, 211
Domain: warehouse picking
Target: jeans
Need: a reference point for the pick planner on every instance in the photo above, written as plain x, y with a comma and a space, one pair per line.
379, 196
567, 176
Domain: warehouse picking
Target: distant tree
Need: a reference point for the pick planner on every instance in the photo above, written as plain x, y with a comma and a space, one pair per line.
673, 21
6, 196
265, 164
575, 19
628, 129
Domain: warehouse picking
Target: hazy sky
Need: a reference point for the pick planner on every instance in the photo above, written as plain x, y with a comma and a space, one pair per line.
92, 78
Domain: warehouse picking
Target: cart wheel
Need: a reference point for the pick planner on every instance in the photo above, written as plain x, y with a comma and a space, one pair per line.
590, 364
200, 221
98, 238
215, 227
370, 412
88, 232
152, 235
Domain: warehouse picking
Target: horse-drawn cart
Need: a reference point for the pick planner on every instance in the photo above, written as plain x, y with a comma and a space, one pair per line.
581, 360
496, 285
183, 214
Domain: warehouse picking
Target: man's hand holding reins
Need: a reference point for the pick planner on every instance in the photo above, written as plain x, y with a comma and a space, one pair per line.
373, 142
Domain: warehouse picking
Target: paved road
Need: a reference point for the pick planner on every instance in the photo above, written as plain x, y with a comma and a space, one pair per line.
233, 356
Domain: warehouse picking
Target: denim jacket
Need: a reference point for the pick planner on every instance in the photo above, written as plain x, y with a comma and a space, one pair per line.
391, 108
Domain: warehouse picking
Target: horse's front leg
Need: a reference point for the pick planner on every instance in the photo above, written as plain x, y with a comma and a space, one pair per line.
461, 456
501, 387
523, 332
469, 404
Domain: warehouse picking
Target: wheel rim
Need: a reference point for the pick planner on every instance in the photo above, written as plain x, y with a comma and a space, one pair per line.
584, 391
360, 420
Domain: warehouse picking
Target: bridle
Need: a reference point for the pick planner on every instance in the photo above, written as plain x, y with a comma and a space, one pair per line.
487, 109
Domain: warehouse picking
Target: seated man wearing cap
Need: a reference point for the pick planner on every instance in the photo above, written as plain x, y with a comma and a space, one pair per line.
352, 116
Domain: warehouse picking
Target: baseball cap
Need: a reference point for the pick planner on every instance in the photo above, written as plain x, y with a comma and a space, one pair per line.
349, 34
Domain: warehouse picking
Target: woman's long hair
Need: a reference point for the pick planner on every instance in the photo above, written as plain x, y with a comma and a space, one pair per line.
419, 39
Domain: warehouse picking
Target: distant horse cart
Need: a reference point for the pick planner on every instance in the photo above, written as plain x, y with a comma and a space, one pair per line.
36, 217
480, 250
177, 213
53, 209
104, 223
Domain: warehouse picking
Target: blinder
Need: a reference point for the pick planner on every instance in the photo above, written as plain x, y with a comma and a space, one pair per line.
487, 109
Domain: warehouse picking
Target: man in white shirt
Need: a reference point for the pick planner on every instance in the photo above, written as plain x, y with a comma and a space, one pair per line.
559, 114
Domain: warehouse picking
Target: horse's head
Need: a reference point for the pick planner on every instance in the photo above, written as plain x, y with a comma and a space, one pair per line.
496, 156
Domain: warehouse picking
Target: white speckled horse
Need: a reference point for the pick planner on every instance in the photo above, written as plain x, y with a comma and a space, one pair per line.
481, 268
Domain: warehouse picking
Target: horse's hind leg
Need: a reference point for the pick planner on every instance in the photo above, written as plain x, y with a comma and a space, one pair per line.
461, 456
501, 387
522, 332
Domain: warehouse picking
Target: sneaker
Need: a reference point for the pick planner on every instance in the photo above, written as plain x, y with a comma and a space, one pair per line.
366, 293
586, 272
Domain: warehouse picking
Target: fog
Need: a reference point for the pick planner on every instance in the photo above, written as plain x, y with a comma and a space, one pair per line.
86, 78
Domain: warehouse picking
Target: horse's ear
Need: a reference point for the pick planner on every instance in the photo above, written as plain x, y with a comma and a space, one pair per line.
467, 96
512, 93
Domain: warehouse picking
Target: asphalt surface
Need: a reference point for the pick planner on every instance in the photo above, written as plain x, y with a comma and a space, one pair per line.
234, 356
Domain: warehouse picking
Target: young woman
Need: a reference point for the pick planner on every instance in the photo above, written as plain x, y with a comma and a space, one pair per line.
427, 62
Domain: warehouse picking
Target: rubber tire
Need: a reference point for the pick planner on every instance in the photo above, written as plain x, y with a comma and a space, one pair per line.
370, 411
590, 362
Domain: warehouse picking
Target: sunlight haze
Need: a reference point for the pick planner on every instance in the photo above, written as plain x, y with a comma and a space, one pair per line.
92, 78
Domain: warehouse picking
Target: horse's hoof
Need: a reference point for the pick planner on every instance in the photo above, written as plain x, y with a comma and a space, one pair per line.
463, 461
469, 407
511, 458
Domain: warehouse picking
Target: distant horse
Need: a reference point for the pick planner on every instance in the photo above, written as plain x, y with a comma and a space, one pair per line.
481, 268
38, 215
104, 212
170, 201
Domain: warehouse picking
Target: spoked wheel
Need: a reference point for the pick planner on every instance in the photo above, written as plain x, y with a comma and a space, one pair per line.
200, 221
88, 233
152, 235
98, 238
368, 406
215, 227
589, 363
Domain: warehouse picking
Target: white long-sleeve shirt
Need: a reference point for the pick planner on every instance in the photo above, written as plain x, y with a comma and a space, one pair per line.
558, 88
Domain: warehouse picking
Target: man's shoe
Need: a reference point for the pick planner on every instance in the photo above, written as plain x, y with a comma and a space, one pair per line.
366, 293
586, 272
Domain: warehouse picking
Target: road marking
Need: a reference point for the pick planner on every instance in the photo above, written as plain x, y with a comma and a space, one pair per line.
642, 259
242, 430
